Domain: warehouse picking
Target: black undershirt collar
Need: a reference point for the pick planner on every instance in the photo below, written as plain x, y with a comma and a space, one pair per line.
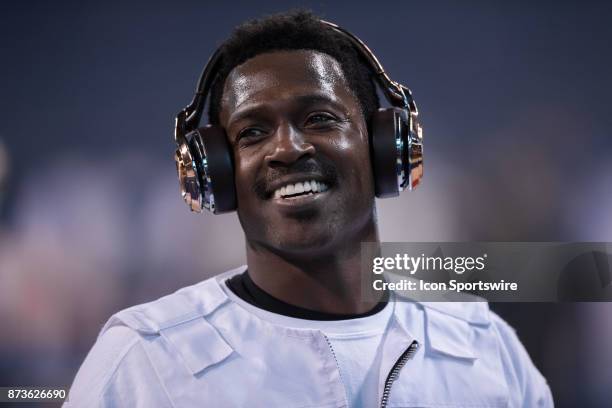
243, 286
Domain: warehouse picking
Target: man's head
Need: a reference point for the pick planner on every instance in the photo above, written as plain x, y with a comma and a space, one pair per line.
293, 97
299, 30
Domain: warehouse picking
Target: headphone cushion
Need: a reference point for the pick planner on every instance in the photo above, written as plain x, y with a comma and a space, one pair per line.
215, 168
386, 129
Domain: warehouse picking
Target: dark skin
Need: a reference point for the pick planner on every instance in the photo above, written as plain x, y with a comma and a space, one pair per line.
290, 117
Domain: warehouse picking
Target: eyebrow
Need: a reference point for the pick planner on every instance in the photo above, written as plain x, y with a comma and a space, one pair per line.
300, 100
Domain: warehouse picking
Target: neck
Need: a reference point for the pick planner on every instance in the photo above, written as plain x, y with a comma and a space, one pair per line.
326, 281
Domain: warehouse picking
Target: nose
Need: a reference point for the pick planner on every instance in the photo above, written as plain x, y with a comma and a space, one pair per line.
289, 145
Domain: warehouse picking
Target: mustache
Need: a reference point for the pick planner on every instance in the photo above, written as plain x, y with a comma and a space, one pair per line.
321, 167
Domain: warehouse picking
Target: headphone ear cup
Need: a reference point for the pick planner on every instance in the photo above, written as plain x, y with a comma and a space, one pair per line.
212, 155
388, 132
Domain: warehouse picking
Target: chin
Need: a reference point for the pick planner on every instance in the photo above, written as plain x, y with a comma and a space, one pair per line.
304, 243
309, 233
312, 243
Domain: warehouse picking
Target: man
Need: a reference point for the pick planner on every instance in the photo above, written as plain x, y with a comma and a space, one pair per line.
291, 329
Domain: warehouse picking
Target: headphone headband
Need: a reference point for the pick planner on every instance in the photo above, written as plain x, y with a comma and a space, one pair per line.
398, 95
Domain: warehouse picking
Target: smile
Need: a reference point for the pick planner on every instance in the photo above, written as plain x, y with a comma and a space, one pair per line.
302, 188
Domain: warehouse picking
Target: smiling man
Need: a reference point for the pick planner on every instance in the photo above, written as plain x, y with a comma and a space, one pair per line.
293, 105
300, 141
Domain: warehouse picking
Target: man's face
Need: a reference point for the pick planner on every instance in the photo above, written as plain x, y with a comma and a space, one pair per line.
301, 156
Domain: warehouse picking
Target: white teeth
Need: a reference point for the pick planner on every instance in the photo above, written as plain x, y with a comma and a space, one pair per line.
310, 186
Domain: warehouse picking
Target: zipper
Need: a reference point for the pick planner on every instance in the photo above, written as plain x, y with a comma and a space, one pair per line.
394, 373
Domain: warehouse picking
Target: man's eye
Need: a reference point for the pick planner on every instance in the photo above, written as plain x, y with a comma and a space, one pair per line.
320, 119
251, 133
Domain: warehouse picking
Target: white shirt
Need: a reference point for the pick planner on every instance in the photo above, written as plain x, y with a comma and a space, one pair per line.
199, 347
355, 344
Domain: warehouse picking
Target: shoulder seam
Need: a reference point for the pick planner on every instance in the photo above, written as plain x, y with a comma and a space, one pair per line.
128, 348
132, 344
162, 384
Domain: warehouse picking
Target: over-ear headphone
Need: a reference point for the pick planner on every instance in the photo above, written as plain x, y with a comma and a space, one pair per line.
204, 159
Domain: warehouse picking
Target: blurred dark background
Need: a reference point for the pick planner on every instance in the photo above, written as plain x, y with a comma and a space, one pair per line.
515, 102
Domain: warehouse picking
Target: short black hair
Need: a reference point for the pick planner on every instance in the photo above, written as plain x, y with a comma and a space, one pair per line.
294, 30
